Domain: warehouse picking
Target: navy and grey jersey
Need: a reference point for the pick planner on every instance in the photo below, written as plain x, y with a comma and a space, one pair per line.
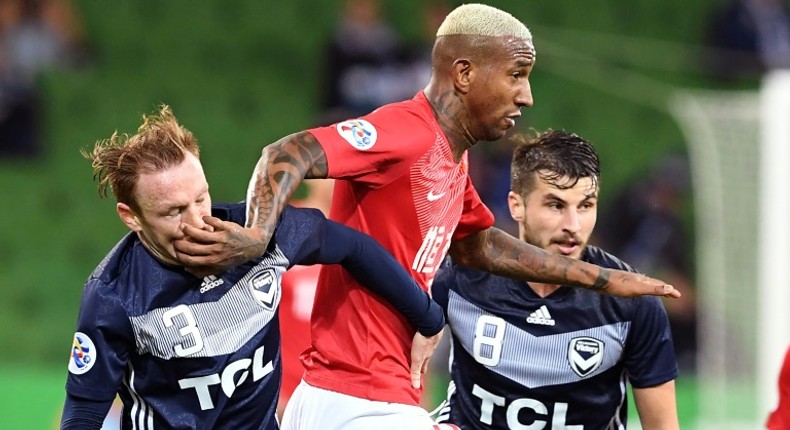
520, 361
189, 353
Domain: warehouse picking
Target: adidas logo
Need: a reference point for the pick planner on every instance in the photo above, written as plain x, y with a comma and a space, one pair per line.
541, 316
210, 282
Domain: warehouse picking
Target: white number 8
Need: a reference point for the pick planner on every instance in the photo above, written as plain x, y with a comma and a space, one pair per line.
494, 340
190, 329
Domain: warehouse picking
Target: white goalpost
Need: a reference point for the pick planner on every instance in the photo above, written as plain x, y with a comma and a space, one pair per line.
739, 149
774, 234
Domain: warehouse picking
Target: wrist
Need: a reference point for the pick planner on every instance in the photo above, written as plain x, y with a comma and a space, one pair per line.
602, 281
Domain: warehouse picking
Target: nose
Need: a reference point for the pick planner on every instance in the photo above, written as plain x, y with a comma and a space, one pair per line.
524, 97
571, 222
194, 216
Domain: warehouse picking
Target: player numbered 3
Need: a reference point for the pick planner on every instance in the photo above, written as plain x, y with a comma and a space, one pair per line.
189, 330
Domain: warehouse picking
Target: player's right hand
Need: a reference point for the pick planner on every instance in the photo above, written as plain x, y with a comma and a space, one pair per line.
422, 348
628, 284
205, 252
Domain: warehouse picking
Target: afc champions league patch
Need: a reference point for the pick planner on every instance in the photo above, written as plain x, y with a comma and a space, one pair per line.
264, 287
83, 354
358, 132
585, 354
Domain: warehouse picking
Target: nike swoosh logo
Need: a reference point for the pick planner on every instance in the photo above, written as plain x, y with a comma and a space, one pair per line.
434, 197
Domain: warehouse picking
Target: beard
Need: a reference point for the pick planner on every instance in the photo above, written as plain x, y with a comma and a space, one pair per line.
569, 245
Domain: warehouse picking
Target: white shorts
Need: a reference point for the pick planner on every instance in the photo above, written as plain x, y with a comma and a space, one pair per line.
312, 408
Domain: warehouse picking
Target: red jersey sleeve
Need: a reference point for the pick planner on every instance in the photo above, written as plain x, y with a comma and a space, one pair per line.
476, 216
379, 147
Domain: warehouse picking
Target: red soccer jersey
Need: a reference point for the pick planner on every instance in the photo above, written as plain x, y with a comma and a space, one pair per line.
296, 303
398, 182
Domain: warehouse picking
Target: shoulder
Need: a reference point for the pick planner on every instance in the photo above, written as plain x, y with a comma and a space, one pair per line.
602, 258
408, 117
599, 257
466, 282
450, 270
119, 259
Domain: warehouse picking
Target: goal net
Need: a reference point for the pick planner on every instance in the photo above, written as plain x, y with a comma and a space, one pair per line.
739, 149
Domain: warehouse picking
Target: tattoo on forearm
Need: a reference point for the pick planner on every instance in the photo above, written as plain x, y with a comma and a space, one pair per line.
282, 167
602, 281
500, 253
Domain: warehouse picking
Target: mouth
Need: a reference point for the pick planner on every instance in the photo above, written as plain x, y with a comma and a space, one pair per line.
511, 119
567, 248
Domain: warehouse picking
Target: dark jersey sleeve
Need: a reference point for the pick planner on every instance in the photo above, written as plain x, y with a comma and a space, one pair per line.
650, 354
440, 289
101, 344
306, 237
649, 351
83, 414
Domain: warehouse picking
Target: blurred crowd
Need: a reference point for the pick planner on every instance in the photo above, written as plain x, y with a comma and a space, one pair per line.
36, 36
746, 38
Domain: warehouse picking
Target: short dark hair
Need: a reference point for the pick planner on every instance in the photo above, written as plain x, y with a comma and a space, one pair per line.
553, 155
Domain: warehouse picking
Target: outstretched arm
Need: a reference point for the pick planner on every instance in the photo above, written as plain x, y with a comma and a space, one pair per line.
278, 173
493, 250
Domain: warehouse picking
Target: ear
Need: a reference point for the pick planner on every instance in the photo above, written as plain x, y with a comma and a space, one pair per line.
516, 205
128, 216
463, 72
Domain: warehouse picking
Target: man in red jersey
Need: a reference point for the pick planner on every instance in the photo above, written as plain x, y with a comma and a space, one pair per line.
780, 417
402, 177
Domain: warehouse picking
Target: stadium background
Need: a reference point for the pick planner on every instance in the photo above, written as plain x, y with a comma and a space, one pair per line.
240, 74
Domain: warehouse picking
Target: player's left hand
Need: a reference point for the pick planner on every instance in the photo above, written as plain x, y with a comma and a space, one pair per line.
422, 349
221, 246
628, 284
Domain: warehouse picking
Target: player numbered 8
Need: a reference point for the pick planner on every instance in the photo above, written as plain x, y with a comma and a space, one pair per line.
487, 347
188, 330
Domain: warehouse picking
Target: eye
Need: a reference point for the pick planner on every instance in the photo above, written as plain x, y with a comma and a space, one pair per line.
174, 212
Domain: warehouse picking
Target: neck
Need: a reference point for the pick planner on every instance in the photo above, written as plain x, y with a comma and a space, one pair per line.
449, 110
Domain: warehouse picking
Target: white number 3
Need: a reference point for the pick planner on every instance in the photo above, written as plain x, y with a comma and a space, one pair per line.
489, 332
190, 329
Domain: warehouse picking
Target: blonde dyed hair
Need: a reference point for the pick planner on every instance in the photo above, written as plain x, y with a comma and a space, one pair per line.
160, 143
481, 20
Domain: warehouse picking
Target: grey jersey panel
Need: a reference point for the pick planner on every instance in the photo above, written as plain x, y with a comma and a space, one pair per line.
548, 357
222, 326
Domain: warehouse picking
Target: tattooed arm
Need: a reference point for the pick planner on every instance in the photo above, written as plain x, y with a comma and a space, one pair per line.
279, 172
493, 250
